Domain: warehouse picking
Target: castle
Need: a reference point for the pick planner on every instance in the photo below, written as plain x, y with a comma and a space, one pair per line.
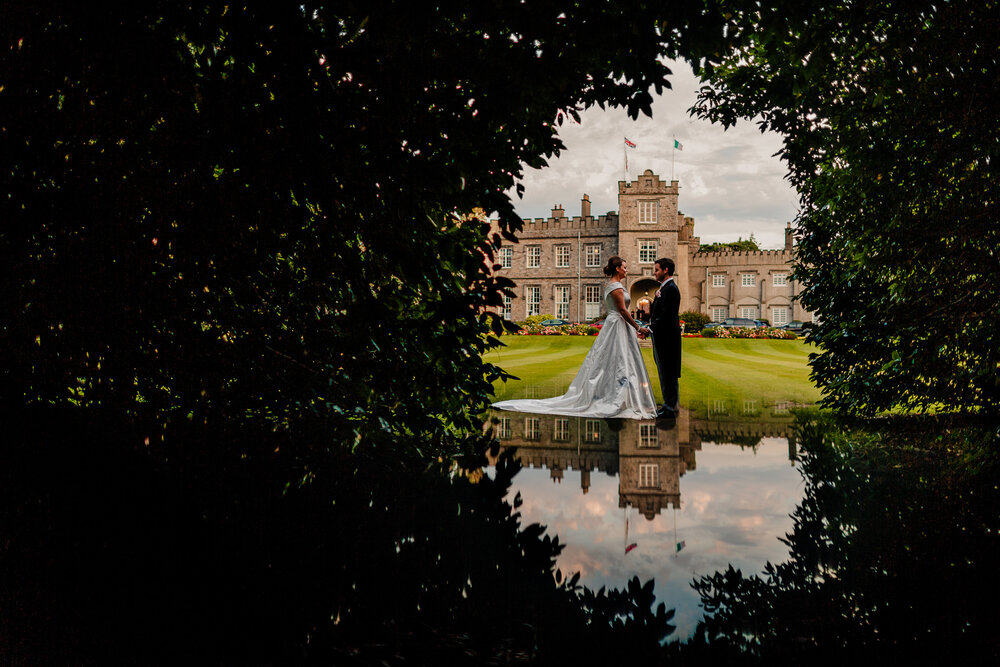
558, 262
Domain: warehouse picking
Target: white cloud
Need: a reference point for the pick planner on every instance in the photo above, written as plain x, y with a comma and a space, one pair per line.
730, 180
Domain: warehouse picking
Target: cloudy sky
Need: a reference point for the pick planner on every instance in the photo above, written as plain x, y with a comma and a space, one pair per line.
730, 182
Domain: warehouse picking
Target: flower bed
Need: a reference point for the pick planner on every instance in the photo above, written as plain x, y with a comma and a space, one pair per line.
565, 330
533, 329
747, 332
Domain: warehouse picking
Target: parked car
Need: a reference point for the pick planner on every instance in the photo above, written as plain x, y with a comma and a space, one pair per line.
555, 323
795, 326
732, 322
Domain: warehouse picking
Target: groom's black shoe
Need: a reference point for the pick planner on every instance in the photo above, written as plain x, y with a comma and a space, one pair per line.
666, 413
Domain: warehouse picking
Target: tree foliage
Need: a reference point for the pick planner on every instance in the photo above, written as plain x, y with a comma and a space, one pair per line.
738, 245
243, 267
216, 214
890, 138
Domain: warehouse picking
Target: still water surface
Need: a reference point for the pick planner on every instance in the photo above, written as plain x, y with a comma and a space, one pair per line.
668, 501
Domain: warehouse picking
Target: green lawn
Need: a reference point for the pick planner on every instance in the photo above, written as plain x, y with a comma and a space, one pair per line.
729, 374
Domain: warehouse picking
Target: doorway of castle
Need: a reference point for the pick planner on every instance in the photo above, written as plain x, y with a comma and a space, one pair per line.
642, 293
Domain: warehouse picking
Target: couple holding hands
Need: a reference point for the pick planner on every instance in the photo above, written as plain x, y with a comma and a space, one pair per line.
612, 381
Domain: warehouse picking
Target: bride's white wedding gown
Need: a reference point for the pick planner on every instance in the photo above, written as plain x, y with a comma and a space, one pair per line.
612, 382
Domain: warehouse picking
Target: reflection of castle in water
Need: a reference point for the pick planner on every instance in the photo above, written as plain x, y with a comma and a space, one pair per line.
648, 458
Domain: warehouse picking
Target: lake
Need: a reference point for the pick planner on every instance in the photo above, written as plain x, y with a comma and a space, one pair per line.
668, 501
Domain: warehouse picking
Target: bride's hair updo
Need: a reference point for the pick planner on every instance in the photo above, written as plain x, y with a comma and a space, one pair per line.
613, 264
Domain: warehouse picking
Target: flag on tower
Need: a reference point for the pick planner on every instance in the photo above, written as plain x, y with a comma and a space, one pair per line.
631, 546
630, 144
678, 145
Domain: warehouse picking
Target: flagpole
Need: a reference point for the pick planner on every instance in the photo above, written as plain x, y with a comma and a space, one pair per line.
628, 144
673, 151
676, 550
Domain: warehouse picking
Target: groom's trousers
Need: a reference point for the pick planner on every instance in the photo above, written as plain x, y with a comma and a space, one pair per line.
669, 386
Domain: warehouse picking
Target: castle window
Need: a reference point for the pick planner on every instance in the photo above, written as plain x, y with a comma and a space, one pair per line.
507, 307
647, 437
649, 475
533, 298
531, 429
503, 428
506, 257
718, 280
779, 316
592, 431
562, 256
562, 302
562, 431
749, 279
749, 312
593, 301
593, 254
647, 212
779, 279
720, 314
647, 252
534, 256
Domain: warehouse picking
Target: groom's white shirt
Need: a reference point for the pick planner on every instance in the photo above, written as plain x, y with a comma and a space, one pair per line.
662, 284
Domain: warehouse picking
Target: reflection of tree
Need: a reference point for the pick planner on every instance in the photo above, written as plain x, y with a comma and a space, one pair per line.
892, 555
743, 441
110, 551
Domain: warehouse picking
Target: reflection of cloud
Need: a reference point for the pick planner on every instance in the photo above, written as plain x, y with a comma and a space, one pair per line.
575, 559
698, 502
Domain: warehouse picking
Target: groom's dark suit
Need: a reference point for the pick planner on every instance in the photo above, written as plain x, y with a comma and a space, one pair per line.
666, 327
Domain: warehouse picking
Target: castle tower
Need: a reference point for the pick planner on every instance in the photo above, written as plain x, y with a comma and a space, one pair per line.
648, 229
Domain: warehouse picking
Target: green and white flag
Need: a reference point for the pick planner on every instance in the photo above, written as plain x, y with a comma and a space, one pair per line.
678, 145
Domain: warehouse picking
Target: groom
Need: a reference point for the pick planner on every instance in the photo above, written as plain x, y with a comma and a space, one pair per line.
665, 327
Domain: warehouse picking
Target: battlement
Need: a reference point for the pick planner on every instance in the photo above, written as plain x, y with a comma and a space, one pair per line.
577, 223
647, 183
742, 253
746, 258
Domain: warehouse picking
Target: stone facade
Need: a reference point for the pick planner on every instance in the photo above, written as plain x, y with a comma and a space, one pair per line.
558, 261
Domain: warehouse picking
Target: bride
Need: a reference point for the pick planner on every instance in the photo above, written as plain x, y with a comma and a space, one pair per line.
612, 382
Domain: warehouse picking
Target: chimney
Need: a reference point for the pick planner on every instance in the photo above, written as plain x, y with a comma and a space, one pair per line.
585, 206
789, 237
558, 212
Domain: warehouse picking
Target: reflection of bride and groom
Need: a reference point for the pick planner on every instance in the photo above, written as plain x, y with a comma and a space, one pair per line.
612, 381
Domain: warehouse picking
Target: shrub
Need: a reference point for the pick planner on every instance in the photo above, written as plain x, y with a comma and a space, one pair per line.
694, 321
535, 320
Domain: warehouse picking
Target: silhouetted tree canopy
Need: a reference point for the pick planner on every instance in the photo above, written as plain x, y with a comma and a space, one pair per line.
218, 214
243, 293
891, 139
